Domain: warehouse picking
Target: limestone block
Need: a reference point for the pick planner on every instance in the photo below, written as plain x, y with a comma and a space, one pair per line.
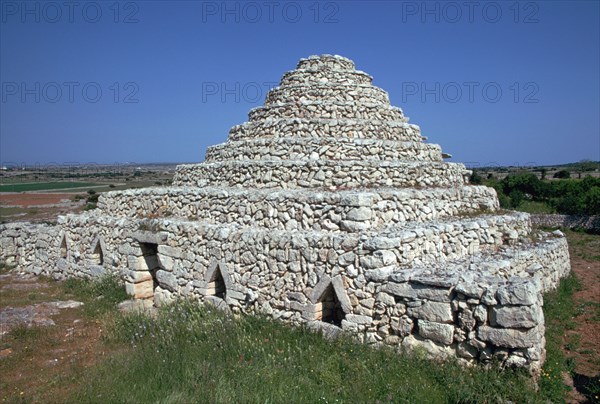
525, 293
438, 332
97, 271
402, 326
403, 289
137, 276
432, 311
358, 199
380, 274
379, 258
517, 316
142, 290
433, 349
359, 214
358, 319
510, 338
167, 280
165, 250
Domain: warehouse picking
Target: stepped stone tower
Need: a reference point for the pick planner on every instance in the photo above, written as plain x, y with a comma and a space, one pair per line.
326, 209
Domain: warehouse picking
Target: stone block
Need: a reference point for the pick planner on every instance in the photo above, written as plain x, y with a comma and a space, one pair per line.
358, 199
438, 332
519, 294
167, 280
165, 250
510, 338
358, 319
359, 214
517, 316
142, 290
432, 311
97, 271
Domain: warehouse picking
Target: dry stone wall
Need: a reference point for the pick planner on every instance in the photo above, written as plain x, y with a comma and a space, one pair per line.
477, 307
297, 209
325, 209
321, 173
324, 149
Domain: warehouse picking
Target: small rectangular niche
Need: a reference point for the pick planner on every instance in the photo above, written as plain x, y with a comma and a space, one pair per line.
63, 247
97, 255
150, 255
216, 286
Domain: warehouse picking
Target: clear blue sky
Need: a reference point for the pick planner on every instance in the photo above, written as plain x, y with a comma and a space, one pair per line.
443, 63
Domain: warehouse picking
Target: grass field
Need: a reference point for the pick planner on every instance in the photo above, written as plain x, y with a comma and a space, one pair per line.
43, 186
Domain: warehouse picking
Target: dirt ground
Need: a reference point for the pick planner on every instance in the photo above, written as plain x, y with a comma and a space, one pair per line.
582, 343
26, 200
38, 206
43, 348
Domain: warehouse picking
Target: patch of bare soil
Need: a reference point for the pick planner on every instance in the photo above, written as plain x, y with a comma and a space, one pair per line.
26, 200
38, 206
582, 343
45, 340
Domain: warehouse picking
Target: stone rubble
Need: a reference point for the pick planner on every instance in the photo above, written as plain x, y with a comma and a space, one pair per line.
326, 209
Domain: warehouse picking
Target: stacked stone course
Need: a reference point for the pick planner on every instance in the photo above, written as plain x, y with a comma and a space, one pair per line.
325, 209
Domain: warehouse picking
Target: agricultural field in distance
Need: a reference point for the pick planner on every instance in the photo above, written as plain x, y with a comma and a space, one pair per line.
41, 194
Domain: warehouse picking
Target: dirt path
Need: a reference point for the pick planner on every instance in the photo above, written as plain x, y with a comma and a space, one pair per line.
582, 343
45, 340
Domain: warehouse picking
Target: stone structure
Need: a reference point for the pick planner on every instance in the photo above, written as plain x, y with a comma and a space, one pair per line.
588, 223
327, 209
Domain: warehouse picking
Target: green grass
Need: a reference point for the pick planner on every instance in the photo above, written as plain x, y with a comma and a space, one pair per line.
100, 296
191, 354
559, 314
535, 207
42, 186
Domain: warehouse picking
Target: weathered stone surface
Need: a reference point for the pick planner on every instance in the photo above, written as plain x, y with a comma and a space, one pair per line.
436, 331
517, 316
521, 293
510, 338
433, 311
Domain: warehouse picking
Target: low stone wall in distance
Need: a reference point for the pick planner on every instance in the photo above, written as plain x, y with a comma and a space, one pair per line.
589, 223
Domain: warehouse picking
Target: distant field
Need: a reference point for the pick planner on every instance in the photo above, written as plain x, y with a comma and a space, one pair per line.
41, 186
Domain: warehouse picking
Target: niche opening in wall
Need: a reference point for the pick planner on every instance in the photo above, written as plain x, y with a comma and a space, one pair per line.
329, 301
217, 280
63, 247
97, 255
331, 307
150, 254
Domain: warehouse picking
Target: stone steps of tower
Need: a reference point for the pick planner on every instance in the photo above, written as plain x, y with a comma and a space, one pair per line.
324, 76
296, 208
339, 174
331, 62
323, 109
487, 272
431, 243
317, 128
299, 148
361, 94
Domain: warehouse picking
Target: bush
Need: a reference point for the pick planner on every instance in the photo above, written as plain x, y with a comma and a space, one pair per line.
562, 174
